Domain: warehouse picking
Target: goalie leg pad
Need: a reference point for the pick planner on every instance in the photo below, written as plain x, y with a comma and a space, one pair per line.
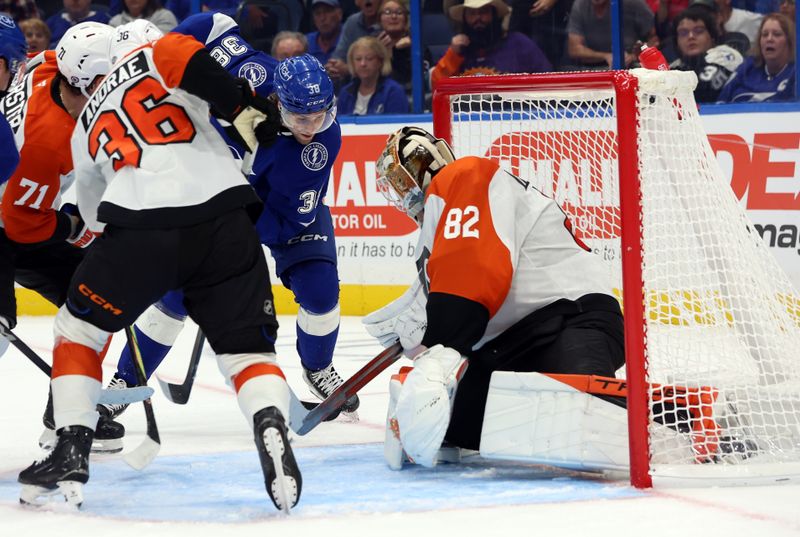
533, 418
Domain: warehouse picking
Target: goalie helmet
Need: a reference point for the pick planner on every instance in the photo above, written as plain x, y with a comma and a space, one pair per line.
408, 164
13, 48
82, 54
131, 36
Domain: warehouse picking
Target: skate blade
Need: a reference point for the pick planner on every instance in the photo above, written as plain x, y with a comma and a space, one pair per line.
283, 489
71, 492
113, 445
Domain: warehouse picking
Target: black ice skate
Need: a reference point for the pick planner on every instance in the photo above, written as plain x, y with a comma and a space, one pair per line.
112, 411
107, 437
323, 382
281, 474
64, 470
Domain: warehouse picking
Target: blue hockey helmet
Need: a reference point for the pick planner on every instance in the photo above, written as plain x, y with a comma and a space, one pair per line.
303, 86
13, 46
305, 92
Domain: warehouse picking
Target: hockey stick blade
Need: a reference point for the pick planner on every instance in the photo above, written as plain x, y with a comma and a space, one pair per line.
349, 388
179, 393
125, 396
299, 409
143, 455
107, 397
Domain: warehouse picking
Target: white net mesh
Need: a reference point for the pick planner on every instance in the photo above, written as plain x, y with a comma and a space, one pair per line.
722, 321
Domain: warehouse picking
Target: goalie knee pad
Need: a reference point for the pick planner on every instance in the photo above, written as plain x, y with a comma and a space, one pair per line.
392, 448
425, 402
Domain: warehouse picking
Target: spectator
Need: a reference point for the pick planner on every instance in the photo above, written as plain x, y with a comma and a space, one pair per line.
589, 31
666, 11
371, 91
365, 22
768, 75
327, 17
287, 44
484, 47
395, 35
697, 33
74, 11
733, 19
19, 10
182, 8
36, 33
544, 21
149, 10
788, 9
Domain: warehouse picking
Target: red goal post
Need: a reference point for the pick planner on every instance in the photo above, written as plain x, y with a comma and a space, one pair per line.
712, 324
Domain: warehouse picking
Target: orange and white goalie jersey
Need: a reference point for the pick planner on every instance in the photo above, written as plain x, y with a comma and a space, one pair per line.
42, 129
145, 152
493, 239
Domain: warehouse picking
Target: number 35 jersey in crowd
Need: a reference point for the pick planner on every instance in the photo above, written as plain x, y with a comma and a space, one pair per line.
42, 129
145, 152
492, 239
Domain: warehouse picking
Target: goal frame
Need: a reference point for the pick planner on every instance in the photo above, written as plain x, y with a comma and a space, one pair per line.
625, 86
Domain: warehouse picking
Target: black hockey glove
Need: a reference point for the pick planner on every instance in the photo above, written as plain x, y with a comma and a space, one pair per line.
257, 120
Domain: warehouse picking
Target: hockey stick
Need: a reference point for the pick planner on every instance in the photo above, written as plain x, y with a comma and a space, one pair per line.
148, 449
348, 389
179, 393
107, 397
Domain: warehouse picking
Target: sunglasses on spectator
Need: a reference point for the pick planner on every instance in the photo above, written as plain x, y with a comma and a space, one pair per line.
393, 12
697, 31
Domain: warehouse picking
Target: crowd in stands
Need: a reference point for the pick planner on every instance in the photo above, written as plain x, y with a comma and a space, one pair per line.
741, 50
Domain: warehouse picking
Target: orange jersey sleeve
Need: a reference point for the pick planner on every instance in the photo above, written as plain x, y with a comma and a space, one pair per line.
468, 258
171, 53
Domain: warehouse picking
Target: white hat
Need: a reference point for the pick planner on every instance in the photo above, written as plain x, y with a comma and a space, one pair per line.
457, 12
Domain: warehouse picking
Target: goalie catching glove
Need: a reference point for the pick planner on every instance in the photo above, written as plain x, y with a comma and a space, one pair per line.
424, 404
404, 319
257, 120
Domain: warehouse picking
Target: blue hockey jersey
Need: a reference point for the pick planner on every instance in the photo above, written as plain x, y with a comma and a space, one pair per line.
751, 84
220, 35
9, 155
289, 177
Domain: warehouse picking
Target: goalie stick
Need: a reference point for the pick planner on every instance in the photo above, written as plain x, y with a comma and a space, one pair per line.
124, 396
348, 389
179, 393
144, 454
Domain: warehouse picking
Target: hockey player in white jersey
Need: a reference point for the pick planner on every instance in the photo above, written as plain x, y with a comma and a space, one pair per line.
503, 286
175, 213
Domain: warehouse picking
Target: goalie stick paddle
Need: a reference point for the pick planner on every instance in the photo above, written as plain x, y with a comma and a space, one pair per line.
348, 389
144, 454
123, 396
179, 393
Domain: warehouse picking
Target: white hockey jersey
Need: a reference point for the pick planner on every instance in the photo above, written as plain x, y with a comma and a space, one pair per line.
145, 152
494, 239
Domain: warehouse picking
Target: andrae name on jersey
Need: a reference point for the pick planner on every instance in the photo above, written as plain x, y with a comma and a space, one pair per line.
135, 67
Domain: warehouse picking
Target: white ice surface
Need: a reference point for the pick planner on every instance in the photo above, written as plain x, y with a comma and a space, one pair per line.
206, 481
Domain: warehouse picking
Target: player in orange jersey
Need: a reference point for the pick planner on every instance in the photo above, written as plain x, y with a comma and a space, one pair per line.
503, 285
41, 240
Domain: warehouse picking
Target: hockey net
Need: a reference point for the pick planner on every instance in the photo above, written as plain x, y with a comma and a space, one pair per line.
712, 322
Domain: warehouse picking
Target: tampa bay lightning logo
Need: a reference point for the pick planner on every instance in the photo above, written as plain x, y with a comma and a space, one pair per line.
314, 156
254, 72
6, 21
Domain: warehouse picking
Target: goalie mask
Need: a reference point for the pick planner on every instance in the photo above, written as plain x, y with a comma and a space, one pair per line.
407, 165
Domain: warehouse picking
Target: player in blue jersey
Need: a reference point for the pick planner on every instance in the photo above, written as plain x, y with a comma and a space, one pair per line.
9, 156
13, 48
291, 177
